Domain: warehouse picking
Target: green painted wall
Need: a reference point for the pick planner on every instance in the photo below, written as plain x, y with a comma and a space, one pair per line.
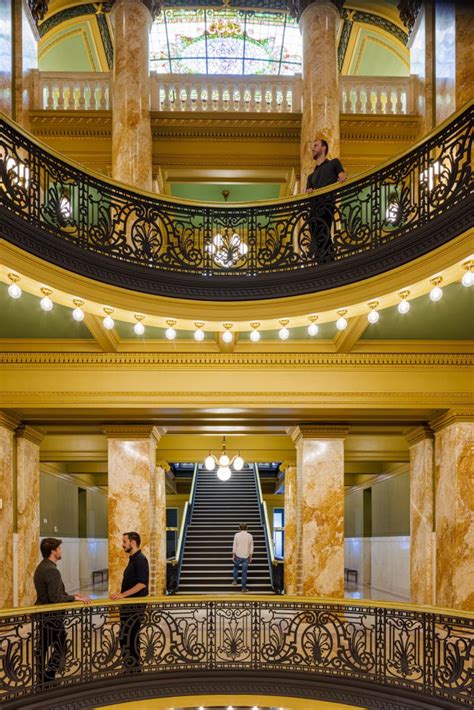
59, 506
69, 54
213, 193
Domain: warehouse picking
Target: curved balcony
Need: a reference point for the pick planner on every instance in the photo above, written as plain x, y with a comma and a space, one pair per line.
358, 653
109, 232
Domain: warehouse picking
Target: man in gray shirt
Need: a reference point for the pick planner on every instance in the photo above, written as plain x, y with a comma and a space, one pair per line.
50, 590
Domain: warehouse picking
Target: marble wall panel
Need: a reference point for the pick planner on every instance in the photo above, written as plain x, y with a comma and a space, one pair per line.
357, 555
28, 513
130, 466
291, 542
421, 520
454, 481
158, 531
464, 53
390, 561
6, 516
322, 552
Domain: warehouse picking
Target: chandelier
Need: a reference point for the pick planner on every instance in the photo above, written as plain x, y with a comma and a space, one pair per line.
223, 463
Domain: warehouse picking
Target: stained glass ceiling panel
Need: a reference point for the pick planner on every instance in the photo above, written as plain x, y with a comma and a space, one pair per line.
224, 41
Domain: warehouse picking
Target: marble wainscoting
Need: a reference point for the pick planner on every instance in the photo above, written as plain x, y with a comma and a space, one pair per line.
383, 564
81, 556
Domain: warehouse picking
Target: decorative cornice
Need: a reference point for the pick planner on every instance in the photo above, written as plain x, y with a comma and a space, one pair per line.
7, 421
297, 7
318, 431
418, 434
226, 360
133, 432
453, 416
30, 434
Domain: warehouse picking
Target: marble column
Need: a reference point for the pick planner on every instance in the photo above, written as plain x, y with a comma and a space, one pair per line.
158, 529
454, 501
464, 35
320, 481
7, 507
292, 525
28, 442
319, 23
131, 471
131, 127
421, 442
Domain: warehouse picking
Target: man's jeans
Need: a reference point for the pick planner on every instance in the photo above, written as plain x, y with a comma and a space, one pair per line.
244, 561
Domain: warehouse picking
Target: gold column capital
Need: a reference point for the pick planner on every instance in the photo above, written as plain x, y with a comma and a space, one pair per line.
7, 421
419, 433
164, 465
133, 432
318, 431
452, 416
30, 434
285, 465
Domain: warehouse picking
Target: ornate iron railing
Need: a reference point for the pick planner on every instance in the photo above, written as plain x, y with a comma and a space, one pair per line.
106, 231
411, 653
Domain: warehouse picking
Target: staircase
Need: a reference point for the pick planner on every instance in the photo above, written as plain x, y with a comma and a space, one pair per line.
217, 509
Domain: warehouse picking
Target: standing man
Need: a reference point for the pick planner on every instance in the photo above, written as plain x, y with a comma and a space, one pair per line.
50, 590
135, 582
242, 554
326, 172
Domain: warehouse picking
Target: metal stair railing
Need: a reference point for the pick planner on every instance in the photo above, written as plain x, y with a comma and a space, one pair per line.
174, 566
275, 573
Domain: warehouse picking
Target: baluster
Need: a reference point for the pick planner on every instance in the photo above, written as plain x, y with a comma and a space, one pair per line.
400, 100
60, 95
225, 97
79, 99
391, 95
154, 92
358, 105
343, 99
378, 96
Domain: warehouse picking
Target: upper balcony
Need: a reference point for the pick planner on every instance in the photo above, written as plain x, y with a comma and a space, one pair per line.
112, 233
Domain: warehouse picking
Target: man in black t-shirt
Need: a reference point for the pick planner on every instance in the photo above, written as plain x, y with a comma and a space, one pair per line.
135, 582
321, 215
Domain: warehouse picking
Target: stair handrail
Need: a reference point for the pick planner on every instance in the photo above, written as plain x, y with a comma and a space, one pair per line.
192, 495
187, 515
181, 533
264, 516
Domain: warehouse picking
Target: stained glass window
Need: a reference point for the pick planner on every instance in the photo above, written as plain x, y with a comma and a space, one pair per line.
227, 41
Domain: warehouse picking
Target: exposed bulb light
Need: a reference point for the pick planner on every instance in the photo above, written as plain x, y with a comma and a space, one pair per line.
284, 333
108, 322
170, 332
224, 460
374, 315
46, 303
436, 293
238, 462
341, 323
468, 277
78, 313
139, 328
313, 329
227, 336
199, 333
404, 305
254, 334
223, 473
209, 463
14, 291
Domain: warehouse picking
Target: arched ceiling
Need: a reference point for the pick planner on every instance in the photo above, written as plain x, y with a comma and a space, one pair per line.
77, 36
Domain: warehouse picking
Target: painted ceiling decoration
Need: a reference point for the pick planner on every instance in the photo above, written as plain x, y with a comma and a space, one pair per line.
409, 10
368, 18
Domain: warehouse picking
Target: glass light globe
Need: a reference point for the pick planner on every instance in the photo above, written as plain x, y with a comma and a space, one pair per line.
436, 294
139, 328
224, 460
373, 317
170, 333
223, 473
209, 463
284, 334
254, 336
46, 303
78, 314
108, 323
199, 335
313, 329
341, 323
238, 463
227, 337
467, 280
14, 291
403, 307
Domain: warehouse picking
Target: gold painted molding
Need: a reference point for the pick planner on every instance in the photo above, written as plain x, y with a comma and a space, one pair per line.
132, 432
418, 434
30, 434
318, 431
453, 416
8, 421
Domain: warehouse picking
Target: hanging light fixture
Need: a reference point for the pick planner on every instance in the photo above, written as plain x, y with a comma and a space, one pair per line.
227, 336
255, 335
284, 333
139, 328
313, 328
14, 291
341, 323
170, 331
199, 333
404, 305
78, 313
223, 463
468, 277
108, 321
374, 315
46, 303
436, 293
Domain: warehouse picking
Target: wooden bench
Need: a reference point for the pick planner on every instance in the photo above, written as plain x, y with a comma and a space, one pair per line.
348, 573
100, 575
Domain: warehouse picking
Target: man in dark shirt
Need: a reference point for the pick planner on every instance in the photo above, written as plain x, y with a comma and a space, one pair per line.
50, 590
321, 213
134, 584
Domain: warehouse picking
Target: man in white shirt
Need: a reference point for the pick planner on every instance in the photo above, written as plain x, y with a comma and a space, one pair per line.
242, 554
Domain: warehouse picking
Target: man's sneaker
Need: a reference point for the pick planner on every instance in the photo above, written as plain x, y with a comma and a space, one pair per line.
235, 584
244, 590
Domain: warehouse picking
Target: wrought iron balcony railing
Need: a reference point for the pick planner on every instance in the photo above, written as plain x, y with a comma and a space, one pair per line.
107, 231
337, 650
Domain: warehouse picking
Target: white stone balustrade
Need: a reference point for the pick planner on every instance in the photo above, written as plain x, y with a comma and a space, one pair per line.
91, 91
377, 95
264, 94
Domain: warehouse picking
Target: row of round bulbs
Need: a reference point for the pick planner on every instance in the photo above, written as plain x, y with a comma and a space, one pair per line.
373, 316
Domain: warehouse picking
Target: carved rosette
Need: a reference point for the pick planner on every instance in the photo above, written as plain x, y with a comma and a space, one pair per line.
297, 7
408, 10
